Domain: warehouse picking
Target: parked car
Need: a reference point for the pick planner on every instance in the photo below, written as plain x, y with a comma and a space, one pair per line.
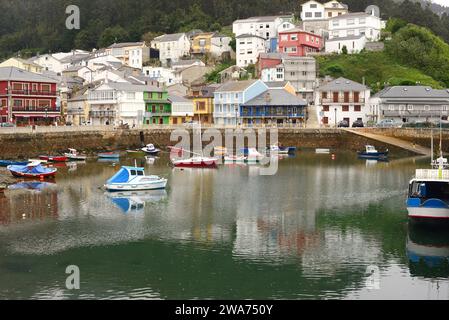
358, 124
388, 123
7, 125
343, 124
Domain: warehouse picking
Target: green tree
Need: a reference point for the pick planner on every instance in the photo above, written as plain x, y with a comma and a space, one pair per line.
112, 35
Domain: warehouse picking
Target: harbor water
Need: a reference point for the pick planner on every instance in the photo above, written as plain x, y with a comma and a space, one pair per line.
321, 228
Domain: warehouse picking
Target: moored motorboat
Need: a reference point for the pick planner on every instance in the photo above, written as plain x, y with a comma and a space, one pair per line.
73, 154
371, 153
254, 156
428, 196
322, 151
32, 170
232, 159
5, 163
150, 149
133, 179
277, 149
54, 158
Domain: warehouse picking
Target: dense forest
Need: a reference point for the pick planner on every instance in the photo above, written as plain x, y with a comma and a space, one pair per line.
30, 26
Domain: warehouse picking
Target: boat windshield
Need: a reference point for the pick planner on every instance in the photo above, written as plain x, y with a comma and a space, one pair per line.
370, 149
429, 190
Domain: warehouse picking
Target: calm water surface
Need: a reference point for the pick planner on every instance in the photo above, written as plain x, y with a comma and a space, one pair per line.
311, 231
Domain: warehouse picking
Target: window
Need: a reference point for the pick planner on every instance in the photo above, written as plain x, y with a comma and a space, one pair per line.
292, 73
308, 14
284, 37
351, 32
313, 6
345, 108
357, 108
335, 23
44, 103
293, 37
329, 14
350, 22
410, 107
318, 15
45, 88
324, 95
130, 95
325, 108
17, 103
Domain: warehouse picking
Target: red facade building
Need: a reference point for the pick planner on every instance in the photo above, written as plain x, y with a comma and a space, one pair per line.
27, 98
297, 42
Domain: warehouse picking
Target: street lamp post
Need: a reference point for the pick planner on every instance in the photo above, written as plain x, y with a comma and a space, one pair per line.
79, 115
335, 117
46, 115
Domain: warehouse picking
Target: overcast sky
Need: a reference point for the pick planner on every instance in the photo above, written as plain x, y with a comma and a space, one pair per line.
442, 2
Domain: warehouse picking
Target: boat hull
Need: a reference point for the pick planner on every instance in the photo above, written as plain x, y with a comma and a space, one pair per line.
75, 158
156, 185
46, 175
430, 209
203, 164
374, 155
108, 155
54, 159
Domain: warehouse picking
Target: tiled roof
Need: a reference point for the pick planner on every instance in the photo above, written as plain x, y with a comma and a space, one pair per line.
276, 97
342, 84
13, 73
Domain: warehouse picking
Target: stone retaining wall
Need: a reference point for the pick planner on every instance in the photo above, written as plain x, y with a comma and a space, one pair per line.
29, 145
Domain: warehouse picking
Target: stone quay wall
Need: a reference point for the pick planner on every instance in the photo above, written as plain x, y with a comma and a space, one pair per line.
23, 145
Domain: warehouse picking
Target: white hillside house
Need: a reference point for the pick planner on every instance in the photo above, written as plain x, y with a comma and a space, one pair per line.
248, 49
115, 103
171, 47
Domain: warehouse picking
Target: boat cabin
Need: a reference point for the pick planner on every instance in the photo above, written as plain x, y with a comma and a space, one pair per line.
126, 174
429, 189
370, 149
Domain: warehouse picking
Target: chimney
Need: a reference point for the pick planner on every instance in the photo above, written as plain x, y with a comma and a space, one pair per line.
268, 97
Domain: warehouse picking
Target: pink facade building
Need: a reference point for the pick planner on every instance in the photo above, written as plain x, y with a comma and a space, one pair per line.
298, 43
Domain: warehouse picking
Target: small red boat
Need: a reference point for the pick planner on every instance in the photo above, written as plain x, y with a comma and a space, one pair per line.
54, 158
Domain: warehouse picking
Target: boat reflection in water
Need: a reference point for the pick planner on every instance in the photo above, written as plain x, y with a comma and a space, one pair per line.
428, 251
32, 185
135, 201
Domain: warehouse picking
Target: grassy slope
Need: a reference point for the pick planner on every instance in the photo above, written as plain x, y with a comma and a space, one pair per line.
376, 67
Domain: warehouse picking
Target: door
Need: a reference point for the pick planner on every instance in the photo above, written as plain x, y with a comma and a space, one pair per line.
161, 121
335, 95
325, 120
175, 120
346, 96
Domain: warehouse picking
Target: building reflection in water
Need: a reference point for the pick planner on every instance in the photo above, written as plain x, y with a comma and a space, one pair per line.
28, 200
428, 251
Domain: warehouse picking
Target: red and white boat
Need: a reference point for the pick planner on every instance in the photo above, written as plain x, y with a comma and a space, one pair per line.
196, 162
54, 158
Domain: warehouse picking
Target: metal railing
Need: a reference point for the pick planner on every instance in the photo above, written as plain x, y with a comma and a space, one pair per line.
31, 92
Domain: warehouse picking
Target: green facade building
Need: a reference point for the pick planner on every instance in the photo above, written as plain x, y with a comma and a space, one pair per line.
157, 106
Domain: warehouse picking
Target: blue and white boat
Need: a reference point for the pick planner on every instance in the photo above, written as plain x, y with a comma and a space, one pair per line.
151, 149
134, 179
371, 153
277, 149
428, 196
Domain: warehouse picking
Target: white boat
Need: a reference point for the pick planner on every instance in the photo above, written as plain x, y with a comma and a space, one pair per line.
254, 156
134, 179
151, 149
230, 158
428, 196
74, 155
196, 161
323, 151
